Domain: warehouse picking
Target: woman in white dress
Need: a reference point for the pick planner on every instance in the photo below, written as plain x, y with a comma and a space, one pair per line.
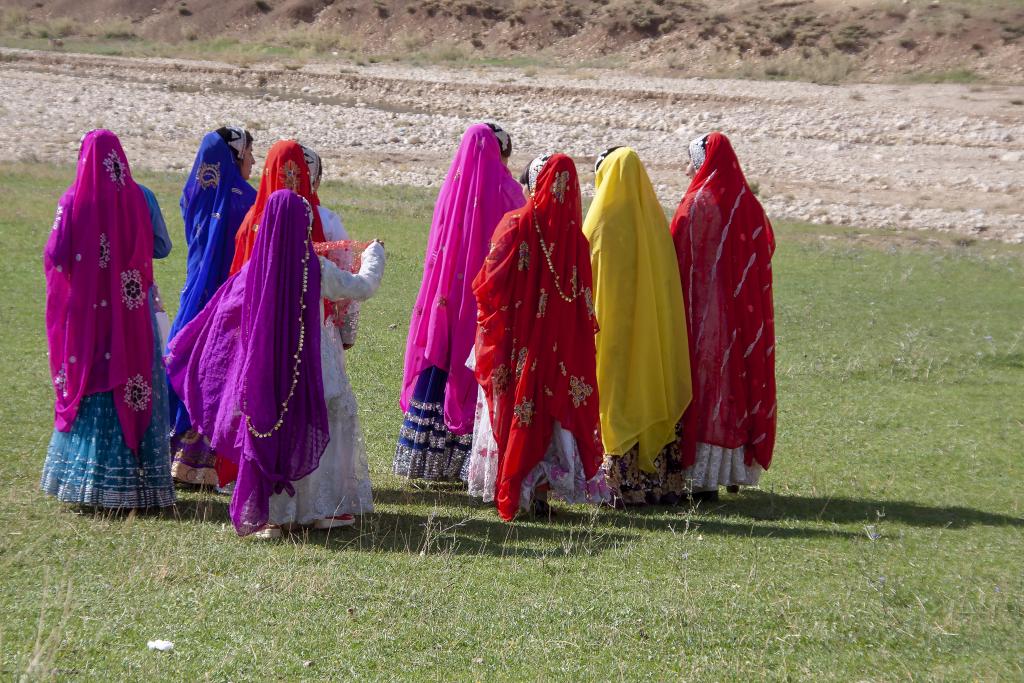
340, 487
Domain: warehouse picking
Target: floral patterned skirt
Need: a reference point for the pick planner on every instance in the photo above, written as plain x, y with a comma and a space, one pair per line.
562, 470
482, 472
633, 486
427, 449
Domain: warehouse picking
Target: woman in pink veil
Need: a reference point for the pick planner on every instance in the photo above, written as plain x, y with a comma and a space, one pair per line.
438, 390
109, 446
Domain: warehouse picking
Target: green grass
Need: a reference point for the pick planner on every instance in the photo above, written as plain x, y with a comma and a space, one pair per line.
884, 544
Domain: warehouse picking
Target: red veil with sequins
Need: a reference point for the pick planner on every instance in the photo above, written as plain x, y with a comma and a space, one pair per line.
535, 353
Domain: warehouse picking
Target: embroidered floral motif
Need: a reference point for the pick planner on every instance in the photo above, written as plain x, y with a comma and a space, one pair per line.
588, 298
60, 382
524, 413
579, 390
520, 363
104, 250
561, 366
290, 175
542, 303
116, 168
137, 393
524, 256
442, 301
56, 219
559, 186
547, 391
208, 175
499, 379
131, 289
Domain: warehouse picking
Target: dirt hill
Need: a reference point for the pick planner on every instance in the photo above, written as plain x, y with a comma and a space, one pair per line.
820, 40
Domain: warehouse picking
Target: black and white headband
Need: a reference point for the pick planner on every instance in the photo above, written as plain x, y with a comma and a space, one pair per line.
604, 155
533, 172
698, 151
314, 163
237, 139
504, 139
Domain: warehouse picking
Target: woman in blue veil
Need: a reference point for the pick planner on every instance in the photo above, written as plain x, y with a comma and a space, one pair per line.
214, 201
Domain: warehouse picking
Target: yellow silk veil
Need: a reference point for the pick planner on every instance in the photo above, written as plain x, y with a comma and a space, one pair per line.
643, 365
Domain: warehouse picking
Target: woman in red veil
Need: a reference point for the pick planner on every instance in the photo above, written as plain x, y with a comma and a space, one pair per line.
535, 354
724, 243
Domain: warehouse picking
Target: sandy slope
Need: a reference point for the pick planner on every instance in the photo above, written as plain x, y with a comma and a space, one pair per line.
945, 157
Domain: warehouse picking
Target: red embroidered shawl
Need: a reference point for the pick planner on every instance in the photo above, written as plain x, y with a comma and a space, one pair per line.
535, 353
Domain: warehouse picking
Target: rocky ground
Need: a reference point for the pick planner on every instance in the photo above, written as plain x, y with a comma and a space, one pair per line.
923, 157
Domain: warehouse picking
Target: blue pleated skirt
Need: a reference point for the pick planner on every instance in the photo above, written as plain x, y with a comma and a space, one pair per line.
91, 465
427, 449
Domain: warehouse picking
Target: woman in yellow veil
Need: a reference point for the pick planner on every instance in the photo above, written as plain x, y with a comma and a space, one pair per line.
643, 368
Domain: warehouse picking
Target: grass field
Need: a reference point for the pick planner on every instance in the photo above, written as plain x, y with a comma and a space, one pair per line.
886, 542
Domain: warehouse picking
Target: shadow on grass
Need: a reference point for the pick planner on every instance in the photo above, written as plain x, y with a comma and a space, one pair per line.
763, 505
455, 525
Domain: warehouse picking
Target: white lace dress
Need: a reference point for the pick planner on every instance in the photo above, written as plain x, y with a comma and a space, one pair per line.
341, 484
717, 466
483, 454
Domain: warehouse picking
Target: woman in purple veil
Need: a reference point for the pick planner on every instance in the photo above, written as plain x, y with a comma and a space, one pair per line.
438, 390
248, 366
248, 369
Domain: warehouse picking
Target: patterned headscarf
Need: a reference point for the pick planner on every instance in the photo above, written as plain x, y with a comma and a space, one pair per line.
604, 155
698, 151
237, 138
504, 139
285, 168
313, 161
536, 166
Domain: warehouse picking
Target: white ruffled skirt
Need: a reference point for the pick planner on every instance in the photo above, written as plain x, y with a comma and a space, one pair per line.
716, 466
341, 484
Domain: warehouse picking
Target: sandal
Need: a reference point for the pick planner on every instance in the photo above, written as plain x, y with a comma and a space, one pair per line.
269, 532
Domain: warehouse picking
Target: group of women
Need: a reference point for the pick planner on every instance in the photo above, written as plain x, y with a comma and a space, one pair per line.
613, 359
